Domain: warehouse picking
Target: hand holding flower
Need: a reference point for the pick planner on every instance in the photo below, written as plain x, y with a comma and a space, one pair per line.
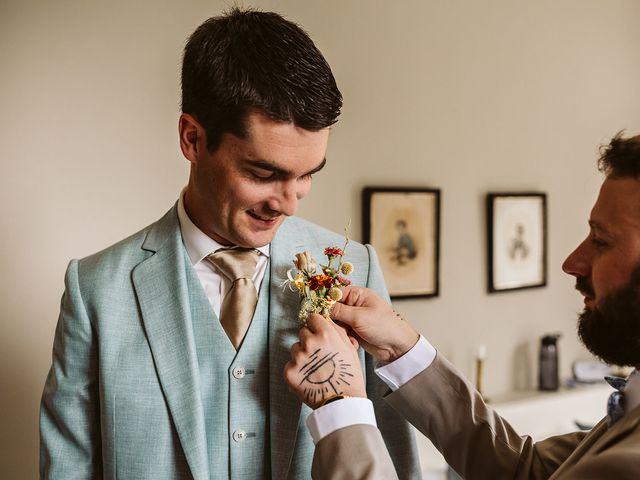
379, 329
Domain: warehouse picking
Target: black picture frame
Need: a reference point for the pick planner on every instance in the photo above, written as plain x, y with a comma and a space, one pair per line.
403, 226
516, 241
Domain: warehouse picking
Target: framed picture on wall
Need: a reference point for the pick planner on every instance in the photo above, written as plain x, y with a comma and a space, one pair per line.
403, 225
517, 241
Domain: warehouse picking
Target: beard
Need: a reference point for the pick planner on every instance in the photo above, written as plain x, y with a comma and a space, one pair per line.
611, 331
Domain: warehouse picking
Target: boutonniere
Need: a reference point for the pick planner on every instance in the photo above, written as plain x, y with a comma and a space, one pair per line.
319, 285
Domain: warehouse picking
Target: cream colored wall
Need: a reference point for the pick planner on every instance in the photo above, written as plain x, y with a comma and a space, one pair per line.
465, 96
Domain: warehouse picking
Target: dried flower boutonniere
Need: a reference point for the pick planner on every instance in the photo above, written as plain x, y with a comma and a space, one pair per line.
319, 290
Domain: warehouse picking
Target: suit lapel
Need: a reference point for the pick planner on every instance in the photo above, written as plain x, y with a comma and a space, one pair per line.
621, 428
284, 407
583, 447
600, 438
161, 288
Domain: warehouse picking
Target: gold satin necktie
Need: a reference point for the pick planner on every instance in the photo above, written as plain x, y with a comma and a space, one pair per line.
236, 311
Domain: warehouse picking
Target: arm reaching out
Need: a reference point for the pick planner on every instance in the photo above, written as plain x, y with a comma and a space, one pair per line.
379, 329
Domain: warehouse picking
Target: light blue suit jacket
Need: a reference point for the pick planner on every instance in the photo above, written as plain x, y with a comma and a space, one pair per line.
122, 399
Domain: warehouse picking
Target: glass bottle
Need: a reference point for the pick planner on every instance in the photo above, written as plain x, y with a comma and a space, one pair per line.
548, 378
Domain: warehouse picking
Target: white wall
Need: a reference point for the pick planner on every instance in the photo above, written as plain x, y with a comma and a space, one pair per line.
465, 96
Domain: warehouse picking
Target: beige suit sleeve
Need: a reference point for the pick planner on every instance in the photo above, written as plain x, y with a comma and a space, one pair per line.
357, 452
474, 439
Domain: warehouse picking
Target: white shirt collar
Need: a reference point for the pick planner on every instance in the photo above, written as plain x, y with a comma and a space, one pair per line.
198, 244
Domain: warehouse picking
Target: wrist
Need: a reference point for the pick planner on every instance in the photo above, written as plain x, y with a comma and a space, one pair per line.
333, 398
403, 346
340, 414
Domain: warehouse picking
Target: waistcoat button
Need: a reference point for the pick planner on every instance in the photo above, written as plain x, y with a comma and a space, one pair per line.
239, 435
238, 372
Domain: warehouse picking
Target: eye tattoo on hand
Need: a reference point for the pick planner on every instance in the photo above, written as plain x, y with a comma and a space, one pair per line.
325, 373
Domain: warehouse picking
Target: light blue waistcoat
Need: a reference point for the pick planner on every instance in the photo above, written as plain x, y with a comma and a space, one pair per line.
233, 387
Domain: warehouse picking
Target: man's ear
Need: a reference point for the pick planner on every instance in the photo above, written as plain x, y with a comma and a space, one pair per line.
192, 137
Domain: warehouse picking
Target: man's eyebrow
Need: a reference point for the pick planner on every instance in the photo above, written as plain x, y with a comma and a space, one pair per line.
283, 172
318, 168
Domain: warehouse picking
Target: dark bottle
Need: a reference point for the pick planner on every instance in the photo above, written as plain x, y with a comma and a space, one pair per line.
548, 366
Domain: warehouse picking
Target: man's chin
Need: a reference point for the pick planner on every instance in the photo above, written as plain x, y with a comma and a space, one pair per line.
609, 339
259, 238
610, 329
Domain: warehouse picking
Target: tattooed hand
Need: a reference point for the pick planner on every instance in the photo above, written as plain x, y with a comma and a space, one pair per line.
324, 363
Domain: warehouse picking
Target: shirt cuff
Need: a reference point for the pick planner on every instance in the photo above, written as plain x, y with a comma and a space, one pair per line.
400, 371
340, 414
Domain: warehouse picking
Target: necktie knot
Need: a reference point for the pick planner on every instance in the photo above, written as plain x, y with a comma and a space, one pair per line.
235, 263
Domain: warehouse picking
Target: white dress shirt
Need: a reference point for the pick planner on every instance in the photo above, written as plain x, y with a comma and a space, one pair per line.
199, 246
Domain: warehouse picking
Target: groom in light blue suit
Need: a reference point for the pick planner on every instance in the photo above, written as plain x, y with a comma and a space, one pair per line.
145, 383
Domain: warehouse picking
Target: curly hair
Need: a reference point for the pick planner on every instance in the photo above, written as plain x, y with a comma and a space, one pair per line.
621, 158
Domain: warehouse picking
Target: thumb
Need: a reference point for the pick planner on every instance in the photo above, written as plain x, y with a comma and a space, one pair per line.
316, 323
344, 313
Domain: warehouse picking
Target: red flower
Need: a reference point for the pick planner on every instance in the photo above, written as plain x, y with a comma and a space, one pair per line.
318, 281
333, 252
344, 281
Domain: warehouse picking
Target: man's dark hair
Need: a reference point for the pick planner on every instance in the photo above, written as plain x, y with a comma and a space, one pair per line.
621, 158
248, 60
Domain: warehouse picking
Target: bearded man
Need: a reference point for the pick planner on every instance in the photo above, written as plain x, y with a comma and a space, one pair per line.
432, 395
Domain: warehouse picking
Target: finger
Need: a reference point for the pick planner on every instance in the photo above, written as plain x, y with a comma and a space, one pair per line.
342, 331
305, 334
316, 323
296, 349
349, 331
345, 292
356, 337
361, 343
287, 367
344, 313
353, 296
352, 337
286, 372
340, 328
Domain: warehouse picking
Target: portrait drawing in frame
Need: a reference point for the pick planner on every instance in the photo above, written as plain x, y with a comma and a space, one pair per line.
516, 241
403, 225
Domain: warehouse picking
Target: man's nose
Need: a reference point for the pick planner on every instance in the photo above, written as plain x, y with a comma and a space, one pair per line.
578, 263
287, 198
